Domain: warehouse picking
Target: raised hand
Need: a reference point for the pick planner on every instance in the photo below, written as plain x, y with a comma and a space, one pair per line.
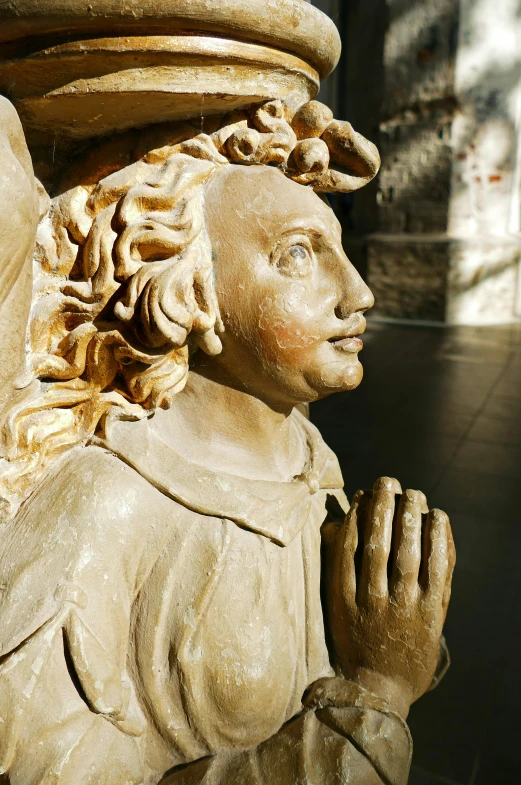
388, 575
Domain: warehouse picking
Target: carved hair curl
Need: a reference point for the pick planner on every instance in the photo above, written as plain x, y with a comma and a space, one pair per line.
123, 283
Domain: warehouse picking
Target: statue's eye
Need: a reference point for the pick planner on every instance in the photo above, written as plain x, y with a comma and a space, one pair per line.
298, 252
294, 260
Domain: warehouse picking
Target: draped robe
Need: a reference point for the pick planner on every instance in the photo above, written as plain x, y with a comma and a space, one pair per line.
156, 616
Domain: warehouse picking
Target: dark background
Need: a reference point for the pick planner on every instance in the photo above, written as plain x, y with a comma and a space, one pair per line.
440, 409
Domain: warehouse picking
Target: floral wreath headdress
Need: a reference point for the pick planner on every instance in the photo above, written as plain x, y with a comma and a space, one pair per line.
311, 147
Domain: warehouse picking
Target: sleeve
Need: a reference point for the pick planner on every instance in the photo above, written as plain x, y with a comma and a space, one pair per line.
68, 577
344, 734
49, 729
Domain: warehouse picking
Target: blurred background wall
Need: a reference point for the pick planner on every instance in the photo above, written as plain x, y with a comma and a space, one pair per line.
437, 85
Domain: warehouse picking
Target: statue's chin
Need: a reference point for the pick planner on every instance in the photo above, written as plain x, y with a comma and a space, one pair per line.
341, 376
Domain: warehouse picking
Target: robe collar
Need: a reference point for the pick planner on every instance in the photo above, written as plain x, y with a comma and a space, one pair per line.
277, 510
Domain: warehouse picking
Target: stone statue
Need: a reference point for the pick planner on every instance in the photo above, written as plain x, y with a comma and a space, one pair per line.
186, 595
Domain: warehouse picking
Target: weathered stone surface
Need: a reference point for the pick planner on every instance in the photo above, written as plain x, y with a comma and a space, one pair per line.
186, 595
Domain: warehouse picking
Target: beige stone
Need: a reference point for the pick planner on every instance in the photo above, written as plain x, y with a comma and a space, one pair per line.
19, 209
164, 64
186, 594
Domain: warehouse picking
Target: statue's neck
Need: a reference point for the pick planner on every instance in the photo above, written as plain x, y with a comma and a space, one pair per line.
229, 430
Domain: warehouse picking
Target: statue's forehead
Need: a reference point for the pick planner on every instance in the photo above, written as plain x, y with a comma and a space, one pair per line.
255, 192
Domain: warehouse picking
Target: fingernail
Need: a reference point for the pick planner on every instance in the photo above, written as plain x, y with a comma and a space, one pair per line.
438, 516
387, 484
424, 503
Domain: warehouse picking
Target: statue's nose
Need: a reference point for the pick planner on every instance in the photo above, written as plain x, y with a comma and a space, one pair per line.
356, 295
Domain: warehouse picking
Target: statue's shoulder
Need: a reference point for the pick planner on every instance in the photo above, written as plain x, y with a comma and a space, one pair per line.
93, 522
92, 484
90, 507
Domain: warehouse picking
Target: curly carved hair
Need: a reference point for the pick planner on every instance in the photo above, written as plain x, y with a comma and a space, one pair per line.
123, 282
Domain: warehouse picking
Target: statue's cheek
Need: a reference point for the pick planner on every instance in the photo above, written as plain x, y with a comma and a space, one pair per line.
287, 324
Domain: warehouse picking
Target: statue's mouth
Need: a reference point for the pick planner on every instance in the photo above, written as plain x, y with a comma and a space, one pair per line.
350, 341
349, 344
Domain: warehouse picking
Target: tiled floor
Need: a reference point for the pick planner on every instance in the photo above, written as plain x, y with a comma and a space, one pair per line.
440, 409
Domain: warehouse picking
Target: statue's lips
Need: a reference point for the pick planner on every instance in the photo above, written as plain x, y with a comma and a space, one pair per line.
351, 344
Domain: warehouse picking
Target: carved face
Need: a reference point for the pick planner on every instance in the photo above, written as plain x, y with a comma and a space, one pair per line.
291, 302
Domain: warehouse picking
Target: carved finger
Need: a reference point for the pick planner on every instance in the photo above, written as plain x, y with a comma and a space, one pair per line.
408, 547
436, 559
378, 529
348, 543
452, 564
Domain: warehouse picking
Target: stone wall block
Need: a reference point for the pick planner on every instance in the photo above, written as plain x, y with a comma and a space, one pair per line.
415, 179
408, 279
419, 54
446, 242
441, 279
482, 280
